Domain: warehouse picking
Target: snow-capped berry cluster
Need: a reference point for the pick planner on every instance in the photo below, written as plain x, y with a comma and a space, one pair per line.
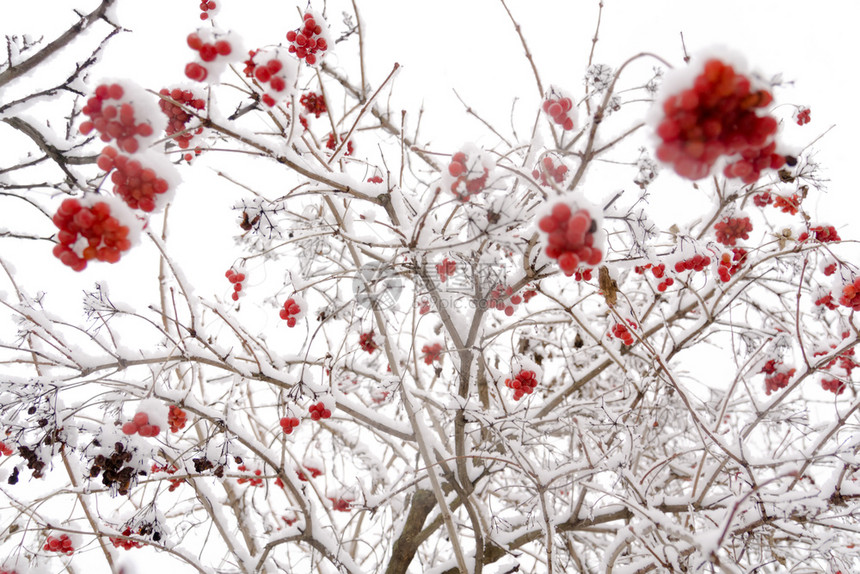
366, 342
214, 50
620, 331
114, 121
822, 233
176, 418
276, 73
62, 544
829, 268
754, 161
827, 300
319, 411
341, 504
139, 187
469, 171
504, 299
801, 116
252, 480
558, 109
125, 543
208, 9
523, 384
236, 278
730, 264
851, 295
288, 424
446, 269
4, 449
730, 229
115, 469
291, 312
695, 263
314, 104
177, 117
777, 375
762, 199
717, 116
309, 42
571, 238
423, 306
432, 353
106, 239
549, 169
139, 424
311, 468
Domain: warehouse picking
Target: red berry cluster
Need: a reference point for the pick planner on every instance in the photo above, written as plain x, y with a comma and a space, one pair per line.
762, 199
169, 469
835, 386
4, 449
290, 311
375, 179
470, 177
851, 295
557, 109
523, 384
498, 296
529, 293
620, 331
138, 186
777, 377
731, 263
659, 272
288, 424
4, 571
341, 504
715, 117
549, 168
827, 301
63, 545
331, 143
366, 342
731, 229
177, 117
236, 278
271, 73
753, 161
424, 307
822, 233
308, 41
802, 116
830, 269
571, 238
432, 353
695, 263
318, 411
106, 238
114, 121
250, 479
125, 543
207, 9
140, 424
313, 104
445, 269
208, 52
176, 418
788, 205
314, 472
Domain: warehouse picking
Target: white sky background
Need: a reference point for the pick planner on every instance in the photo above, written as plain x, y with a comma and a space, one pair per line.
471, 46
